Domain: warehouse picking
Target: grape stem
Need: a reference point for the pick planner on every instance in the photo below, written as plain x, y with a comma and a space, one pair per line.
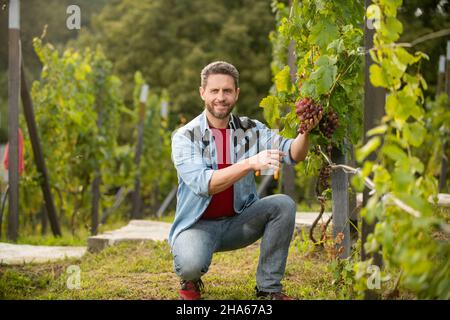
339, 77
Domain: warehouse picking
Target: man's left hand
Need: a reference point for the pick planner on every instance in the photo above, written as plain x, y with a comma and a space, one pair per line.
306, 126
316, 119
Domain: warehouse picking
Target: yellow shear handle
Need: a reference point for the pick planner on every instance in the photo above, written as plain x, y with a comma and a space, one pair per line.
275, 174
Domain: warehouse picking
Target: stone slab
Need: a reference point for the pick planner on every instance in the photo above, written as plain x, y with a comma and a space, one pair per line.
135, 231
443, 200
18, 254
304, 220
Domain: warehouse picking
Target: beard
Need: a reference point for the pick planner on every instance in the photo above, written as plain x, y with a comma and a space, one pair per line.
220, 114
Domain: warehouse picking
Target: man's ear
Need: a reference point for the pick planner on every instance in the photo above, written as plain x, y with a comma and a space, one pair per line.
237, 93
202, 92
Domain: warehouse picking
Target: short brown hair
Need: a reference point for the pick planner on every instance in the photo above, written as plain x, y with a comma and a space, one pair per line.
219, 67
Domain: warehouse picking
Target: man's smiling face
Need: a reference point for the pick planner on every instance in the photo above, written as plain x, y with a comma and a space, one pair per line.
220, 95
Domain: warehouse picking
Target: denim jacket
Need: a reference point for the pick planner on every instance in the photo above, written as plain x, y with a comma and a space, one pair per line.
194, 157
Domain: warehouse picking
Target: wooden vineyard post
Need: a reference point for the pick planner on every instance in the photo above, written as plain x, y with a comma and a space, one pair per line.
167, 202
28, 111
13, 118
440, 87
342, 204
264, 184
444, 164
95, 202
374, 100
136, 208
447, 71
96, 185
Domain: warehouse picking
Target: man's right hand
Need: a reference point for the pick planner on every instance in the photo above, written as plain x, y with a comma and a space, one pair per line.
267, 159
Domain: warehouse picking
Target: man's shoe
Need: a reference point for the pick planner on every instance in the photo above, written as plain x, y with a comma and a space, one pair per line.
271, 295
190, 290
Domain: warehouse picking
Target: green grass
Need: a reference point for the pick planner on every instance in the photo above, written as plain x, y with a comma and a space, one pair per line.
144, 271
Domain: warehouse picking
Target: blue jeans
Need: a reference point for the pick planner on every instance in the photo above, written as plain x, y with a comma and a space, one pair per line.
272, 218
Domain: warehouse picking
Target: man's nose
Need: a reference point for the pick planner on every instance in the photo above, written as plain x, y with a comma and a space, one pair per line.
220, 95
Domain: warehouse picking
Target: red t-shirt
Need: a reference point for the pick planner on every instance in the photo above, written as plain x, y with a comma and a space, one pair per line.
221, 204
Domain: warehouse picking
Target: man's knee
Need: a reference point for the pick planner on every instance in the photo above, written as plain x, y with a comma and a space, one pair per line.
190, 269
286, 206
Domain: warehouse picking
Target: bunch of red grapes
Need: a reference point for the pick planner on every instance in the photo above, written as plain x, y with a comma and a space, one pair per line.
324, 177
329, 124
307, 111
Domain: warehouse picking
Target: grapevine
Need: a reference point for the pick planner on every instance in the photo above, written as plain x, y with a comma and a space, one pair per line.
326, 40
78, 106
325, 37
407, 223
79, 111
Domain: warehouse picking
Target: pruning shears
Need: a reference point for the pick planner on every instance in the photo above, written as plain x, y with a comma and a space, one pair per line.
275, 174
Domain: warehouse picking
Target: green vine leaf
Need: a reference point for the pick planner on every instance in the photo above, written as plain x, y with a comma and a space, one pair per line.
392, 30
377, 77
271, 109
368, 148
283, 80
323, 33
325, 74
414, 133
394, 152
